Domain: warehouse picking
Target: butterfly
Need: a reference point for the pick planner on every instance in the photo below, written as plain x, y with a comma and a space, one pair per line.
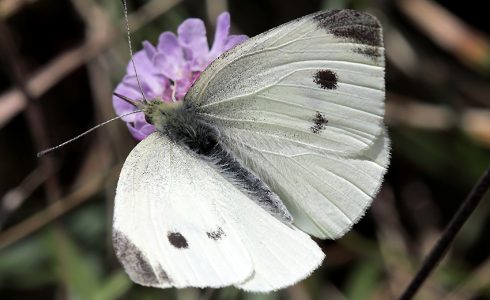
280, 138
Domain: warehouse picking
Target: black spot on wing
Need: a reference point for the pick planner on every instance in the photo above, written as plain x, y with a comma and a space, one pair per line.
177, 240
326, 79
134, 261
217, 234
356, 26
371, 52
319, 123
359, 34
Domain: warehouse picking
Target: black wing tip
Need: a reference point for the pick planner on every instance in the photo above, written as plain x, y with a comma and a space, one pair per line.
357, 26
348, 16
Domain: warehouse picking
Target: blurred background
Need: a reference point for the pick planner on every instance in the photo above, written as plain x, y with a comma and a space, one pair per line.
61, 60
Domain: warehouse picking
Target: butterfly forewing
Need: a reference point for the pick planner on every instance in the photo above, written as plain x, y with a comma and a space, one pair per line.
165, 208
302, 105
278, 84
179, 222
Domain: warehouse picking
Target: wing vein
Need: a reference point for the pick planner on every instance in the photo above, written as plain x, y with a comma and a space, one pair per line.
307, 213
279, 126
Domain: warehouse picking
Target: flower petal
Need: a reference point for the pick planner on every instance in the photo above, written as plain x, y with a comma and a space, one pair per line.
182, 87
150, 50
174, 62
171, 68
151, 84
141, 130
169, 44
120, 106
192, 36
170, 59
142, 62
234, 40
221, 34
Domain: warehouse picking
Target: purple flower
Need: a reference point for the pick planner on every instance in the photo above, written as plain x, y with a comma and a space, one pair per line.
170, 69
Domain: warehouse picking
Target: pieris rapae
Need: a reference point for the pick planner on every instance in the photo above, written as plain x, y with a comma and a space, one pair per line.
279, 138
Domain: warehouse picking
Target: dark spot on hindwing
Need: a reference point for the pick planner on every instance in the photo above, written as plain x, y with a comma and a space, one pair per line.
319, 123
177, 240
326, 79
353, 25
217, 234
134, 261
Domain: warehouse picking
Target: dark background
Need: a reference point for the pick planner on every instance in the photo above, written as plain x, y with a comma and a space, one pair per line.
55, 212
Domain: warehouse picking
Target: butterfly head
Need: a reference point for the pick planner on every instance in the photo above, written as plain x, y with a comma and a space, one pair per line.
157, 112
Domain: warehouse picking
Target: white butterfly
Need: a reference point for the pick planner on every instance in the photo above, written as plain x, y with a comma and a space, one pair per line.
279, 138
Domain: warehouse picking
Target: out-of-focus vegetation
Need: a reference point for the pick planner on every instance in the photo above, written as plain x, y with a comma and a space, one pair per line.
55, 212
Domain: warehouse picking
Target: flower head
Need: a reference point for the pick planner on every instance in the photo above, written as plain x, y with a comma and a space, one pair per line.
168, 70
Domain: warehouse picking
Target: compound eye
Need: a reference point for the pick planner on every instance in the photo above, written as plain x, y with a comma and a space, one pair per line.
148, 120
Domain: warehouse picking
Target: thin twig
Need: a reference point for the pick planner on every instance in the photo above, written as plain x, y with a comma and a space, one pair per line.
442, 245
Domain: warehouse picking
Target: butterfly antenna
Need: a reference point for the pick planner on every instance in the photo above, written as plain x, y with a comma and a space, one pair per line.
125, 5
127, 99
39, 154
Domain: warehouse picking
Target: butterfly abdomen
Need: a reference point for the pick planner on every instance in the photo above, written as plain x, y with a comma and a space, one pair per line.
184, 126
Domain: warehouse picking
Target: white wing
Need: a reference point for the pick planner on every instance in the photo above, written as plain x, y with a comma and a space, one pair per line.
178, 222
282, 255
303, 107
326, 194
165, 207
276, 83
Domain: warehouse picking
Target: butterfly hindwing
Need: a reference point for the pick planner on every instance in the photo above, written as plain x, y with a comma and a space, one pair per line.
282, 254
326, 194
